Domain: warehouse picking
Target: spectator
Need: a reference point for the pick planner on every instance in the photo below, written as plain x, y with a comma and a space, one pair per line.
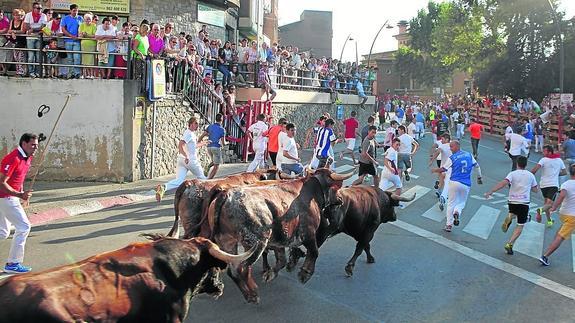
242, 56
70, 25
140, 47
264, 82
4, 27
122, 48
224, 59
51, 57
105, 35
251, 57
156, 42
87, 30
33, 23
236, 78
17, 28
168, 32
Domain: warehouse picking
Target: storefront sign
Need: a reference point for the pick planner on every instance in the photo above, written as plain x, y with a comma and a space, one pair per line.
211, 16
111, 6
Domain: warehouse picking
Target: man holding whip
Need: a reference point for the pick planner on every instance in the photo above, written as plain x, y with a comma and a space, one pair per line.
13, 170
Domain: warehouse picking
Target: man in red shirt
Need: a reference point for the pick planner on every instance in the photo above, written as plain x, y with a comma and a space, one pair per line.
273, 135
475, 130
351, 126
13, 170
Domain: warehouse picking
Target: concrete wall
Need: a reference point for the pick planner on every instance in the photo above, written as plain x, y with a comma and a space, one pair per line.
88, 143
314, 31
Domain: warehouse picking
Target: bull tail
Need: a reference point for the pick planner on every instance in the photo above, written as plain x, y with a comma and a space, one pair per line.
175, 231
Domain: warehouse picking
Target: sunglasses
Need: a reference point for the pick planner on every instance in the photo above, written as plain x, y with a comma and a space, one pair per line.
37, 7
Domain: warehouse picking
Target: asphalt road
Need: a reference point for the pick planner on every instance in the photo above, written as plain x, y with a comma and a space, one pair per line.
421, 273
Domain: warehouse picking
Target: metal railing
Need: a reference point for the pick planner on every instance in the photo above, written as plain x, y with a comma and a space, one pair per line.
61, 62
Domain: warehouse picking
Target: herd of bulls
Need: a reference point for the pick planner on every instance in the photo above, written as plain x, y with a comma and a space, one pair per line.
154, 281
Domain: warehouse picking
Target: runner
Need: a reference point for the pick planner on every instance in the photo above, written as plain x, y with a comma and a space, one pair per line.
419, 123
552, 167
13, 170
527, 133
259, 142
407, 149
326, 138
187, 159
216, 134
461, 164
390, 134
566, 213
521, 182
291, 162
367, 163
517, 146
273, 139
475, 130
390, 174
443, 152
351, 132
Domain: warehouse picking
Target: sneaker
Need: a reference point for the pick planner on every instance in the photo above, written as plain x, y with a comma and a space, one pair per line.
16, 268
544, 261
455, 219
550, 223
447, 228
538, 214
407, 178
436, 186
506, 223
442, 206
160, 191
509, 248
437, 194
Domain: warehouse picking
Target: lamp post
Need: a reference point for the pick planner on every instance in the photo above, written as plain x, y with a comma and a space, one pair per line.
344, 43
561, 49
385, 24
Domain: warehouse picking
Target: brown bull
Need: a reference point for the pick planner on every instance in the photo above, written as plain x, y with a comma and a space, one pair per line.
281, 215
191, 194
143, 282
358, 211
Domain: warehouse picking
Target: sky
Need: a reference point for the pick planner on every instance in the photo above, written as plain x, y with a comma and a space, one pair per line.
363, 18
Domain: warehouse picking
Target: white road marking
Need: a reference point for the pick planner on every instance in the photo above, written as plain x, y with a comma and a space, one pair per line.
499, 202
499, 194
434, 213
490, 261
419, 192
530, 242
482, 222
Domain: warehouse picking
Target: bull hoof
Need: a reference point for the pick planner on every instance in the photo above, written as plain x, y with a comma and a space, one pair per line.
269, 275
370, 260
294, 256
349, 270
253, 299
304, 276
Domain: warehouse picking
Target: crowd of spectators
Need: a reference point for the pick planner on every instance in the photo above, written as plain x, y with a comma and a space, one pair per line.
99, 47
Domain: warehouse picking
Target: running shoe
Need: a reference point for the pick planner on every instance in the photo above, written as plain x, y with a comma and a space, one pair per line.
538, 214
160, 191
455, 219
437, 193
550, 223
436, 186
506, 223
16, 268
447, 228
407, 178
544, 261
509, 248
442, 205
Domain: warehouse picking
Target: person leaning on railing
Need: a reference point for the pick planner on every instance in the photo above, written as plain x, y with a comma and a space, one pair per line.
140, 47
4, 26
87, 31
17, 28
122, 48
105, 35
70, 25
33, 23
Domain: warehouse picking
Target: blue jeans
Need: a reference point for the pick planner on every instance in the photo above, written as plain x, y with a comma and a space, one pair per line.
226, 74
33, 56
297, 168
74, 58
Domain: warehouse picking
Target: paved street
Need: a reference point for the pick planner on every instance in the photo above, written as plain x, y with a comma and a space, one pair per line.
421, 273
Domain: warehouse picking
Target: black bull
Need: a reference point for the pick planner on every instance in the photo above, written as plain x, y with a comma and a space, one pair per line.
286, 214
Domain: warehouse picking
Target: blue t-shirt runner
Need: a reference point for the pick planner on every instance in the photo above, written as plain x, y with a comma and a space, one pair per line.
215, 133
461, 164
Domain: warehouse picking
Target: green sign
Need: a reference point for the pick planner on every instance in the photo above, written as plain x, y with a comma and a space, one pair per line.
211, 16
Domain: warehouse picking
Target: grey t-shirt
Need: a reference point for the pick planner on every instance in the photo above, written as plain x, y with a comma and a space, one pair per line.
569, 148
368, 145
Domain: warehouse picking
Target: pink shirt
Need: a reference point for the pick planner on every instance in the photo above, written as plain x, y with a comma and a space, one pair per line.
156, 44
351, 125
4, 23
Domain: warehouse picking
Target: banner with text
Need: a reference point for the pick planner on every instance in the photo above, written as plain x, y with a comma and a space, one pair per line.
111, 6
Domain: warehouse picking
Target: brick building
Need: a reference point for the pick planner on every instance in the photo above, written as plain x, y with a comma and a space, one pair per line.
312, 33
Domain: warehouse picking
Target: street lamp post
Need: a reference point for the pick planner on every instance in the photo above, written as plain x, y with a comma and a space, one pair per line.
344, 43
385, 24
561, 49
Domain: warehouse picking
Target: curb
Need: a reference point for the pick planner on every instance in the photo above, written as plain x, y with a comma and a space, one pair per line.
58, 213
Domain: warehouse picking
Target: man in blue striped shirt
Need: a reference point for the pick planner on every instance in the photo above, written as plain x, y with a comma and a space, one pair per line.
325, 138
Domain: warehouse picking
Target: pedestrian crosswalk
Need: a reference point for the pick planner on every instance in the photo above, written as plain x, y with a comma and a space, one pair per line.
482, 220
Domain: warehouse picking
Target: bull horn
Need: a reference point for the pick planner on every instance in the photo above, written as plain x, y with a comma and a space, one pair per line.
341, 177
309, 170
287, 176
233, 260
402, 198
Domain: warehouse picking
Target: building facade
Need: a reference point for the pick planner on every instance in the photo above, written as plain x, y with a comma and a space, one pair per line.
313, 33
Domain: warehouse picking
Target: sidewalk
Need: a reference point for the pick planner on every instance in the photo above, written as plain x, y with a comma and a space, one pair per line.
58, 200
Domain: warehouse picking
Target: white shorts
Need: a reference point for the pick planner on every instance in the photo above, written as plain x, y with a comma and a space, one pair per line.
389, 180
350, 143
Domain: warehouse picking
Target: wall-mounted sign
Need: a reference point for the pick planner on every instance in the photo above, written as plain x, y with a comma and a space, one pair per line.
211, 16
112, 6
158, 74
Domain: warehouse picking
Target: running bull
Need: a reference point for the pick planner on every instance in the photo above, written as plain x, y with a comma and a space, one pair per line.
286, 214
358, 211
143, 282
192, 195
